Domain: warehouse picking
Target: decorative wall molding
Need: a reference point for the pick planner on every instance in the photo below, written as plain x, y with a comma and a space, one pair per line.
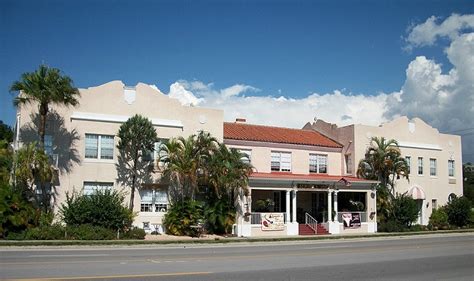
109, 118
419, 145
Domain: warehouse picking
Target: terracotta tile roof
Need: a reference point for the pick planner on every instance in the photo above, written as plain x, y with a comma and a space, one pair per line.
248, 132
307, 177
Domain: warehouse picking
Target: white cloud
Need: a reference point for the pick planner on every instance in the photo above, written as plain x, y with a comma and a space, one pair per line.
444, 100
427, 33
335, 107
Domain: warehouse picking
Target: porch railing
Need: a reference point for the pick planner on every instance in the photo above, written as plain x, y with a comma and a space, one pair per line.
256, 218
311, 222
363, 216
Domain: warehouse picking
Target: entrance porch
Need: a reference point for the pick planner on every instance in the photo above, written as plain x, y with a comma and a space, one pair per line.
280, 208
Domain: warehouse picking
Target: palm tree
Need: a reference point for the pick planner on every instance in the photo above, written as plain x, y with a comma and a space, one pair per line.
137, 137
185, 162
383, 162
44, 87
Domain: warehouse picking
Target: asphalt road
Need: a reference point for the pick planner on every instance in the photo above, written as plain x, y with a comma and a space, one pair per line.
433, 257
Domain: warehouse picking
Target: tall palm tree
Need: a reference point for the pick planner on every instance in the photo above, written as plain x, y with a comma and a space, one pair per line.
184, 161
44, 87
383, 162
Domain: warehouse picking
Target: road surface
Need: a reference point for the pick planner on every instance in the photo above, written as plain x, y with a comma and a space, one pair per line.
431, 257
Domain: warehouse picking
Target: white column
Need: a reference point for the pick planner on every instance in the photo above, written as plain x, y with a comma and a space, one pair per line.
329, 205
288, 212
336, 219
294, 207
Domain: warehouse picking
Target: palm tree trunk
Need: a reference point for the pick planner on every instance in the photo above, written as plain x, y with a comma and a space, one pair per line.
43, 111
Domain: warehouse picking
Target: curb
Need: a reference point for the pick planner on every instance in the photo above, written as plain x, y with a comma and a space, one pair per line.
8, 243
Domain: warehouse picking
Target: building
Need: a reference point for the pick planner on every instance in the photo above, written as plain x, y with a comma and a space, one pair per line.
434, 158
297, 182
82, 140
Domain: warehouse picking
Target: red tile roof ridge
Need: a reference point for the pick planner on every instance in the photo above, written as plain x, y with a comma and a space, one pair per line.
233, 125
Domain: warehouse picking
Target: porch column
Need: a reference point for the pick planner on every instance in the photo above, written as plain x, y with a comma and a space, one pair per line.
329, 205
294, 207
336, 219
288, 206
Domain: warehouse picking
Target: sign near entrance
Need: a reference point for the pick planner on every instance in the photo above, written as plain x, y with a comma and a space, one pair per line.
272, 221
351, 220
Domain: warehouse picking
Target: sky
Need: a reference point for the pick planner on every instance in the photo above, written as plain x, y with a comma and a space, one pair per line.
280, 63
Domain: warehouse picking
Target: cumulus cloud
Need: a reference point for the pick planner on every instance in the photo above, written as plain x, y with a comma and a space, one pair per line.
444, 100
427, 33
240, 101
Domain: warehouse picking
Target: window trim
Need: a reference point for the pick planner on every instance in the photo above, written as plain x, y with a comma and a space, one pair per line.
99, 149
96, 183
453, 168
420, 161
318, 164
280, 153
155, 206
408, 161
435, 167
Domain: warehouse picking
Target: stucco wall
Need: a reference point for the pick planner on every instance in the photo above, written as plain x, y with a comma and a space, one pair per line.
109, 99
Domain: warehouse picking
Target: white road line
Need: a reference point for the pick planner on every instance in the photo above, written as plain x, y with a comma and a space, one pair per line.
63, 256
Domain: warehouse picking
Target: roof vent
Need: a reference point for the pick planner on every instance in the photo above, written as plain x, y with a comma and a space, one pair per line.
240, 120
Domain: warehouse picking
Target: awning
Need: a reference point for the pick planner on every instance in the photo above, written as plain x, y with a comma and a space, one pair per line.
417, 193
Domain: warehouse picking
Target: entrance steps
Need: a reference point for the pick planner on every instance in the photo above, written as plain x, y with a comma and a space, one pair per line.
304, 229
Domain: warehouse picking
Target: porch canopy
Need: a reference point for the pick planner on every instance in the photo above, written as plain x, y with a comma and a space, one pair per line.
308, 180
417, 193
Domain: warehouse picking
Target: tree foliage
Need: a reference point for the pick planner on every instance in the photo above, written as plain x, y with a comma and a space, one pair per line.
459, 211
198, 166
6, 132
137, 137
383, 162
182, 216
33, 171
44, 87
16, 212
103, 208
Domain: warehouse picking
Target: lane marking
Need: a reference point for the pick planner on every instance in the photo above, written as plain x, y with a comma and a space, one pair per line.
68, 256
115, 276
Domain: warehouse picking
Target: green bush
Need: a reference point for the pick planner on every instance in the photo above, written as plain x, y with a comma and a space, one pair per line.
439, 219
90, 232
102, 209
391, 226
53, 232
16, 212
404, 210
134, 233
220, 216
181, 216
459, 211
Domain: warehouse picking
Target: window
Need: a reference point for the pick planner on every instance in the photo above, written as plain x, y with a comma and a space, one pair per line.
408, 160
153, 201
432, 167
99, 146
92, 187
281, 161
247, 157
157, 153
420, 165
451, 168
48, 144
318, 163
348, 164
434, 204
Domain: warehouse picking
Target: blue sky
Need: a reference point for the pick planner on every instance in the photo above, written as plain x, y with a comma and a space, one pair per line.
282, 48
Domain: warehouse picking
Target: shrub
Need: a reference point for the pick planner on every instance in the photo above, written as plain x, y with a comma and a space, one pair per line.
459, 211
103, 208
439, 219
404, 210
220, 216
90, 232
16, 212
53, 232
181, 216
391, 226
134, 233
